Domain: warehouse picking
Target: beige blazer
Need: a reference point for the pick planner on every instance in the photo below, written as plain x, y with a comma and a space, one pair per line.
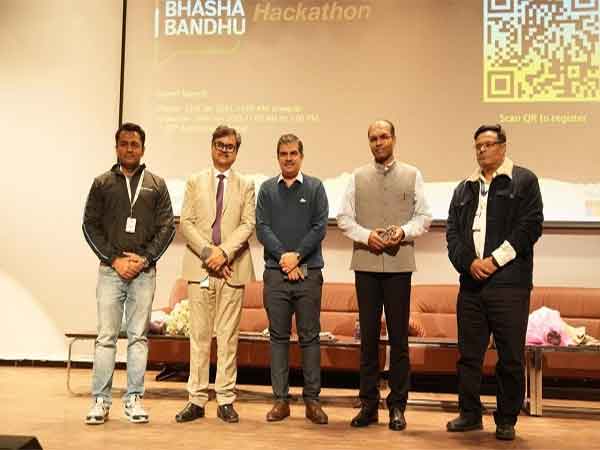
237, 224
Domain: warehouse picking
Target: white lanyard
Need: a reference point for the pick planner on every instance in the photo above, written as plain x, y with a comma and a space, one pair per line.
137, 191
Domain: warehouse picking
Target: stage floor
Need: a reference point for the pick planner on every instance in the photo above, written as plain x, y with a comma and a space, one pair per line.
34, 401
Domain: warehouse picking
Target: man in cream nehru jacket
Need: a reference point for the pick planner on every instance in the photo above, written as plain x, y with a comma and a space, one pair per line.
383, 211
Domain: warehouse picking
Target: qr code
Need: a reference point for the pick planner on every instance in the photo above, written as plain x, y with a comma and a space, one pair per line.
541, 50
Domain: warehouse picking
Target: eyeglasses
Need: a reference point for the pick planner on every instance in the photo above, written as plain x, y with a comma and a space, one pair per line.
486, 145
225, 148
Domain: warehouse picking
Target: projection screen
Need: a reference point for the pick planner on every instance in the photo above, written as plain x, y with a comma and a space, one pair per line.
326, 69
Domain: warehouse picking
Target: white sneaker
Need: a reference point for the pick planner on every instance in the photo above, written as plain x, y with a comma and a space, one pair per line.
134, 410
99, 412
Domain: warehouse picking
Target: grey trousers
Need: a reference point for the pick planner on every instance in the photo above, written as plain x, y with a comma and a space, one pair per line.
283, 299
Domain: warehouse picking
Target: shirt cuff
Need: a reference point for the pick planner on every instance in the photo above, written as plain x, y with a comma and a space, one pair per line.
363, 236
406, 236
504, 254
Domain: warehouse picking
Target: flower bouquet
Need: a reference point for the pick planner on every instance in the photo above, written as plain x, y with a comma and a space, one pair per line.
178, 321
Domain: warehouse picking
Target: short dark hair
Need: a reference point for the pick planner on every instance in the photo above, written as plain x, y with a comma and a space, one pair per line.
290, 139
495, 128
224, 130
132, 127
390, 124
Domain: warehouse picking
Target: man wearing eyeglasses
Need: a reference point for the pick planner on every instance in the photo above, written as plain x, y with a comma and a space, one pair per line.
217, 219
383, 211
494, 220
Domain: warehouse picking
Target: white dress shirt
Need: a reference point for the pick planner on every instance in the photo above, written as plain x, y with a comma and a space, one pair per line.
217, 173
505, 252
299, 178
417, 225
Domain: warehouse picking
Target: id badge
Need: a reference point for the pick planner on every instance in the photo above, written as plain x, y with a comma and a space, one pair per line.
130, 225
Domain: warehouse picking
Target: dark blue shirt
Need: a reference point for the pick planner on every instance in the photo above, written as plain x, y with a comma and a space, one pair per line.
292, 219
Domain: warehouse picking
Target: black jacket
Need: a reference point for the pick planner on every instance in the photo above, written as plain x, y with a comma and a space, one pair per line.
514, 213
108, 207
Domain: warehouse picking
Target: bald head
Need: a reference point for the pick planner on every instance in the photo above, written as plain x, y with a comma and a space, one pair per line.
382, 141
383, 123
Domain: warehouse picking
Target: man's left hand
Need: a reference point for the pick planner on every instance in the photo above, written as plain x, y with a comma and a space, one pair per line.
482, 269
226, 272
489, 265
397, 237
216, 259
289, 261
136, 262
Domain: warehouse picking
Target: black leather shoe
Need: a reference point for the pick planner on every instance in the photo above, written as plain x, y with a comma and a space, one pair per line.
397, 420
189, 413
365, 417
227, 414
464, 423
505, 432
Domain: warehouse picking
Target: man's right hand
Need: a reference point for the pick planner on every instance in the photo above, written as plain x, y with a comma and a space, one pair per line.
376, 244
125, 267
216, 259
289, 261
295, 274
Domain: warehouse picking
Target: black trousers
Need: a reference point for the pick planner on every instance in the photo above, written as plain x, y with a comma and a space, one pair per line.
376, 291
283, 299
503, 312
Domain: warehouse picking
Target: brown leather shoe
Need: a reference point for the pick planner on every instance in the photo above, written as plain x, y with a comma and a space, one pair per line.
280, 411
315, 413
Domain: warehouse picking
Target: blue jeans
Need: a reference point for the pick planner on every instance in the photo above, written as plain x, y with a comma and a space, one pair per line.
115, 295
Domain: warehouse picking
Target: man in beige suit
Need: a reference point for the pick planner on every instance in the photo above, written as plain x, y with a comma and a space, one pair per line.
217, 219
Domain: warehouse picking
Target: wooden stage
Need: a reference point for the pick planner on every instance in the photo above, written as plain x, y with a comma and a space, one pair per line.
35, 401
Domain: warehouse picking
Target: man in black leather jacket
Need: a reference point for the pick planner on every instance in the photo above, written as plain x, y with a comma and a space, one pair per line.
494, 220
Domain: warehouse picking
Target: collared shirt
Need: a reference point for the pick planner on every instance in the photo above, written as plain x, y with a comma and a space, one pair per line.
205, 282
217, 173
505, 252
299, 178
415, 227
